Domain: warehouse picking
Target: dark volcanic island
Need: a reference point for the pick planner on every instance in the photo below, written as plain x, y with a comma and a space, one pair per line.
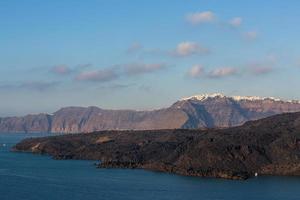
268, 146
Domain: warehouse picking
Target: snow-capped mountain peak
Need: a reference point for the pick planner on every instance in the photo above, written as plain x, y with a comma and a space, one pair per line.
203, 97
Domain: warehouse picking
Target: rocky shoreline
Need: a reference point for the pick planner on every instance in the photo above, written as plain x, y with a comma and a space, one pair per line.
269, 146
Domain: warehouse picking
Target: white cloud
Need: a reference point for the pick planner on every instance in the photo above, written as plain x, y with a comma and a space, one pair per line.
66, 70
135, 47
260, 70
236, 22
200, 17
189, 48
251, 35
183, 49
196, 71
222, 72
61, 70
264, 66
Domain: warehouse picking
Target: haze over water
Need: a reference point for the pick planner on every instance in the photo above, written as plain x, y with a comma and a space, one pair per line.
33, 177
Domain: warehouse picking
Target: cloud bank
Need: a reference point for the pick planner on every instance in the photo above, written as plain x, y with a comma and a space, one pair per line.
103, 75
39, 86
119, 71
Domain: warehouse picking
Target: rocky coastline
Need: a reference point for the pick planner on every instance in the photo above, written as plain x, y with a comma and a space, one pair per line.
269, 146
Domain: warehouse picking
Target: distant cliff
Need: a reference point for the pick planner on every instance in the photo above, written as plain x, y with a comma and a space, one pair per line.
201, 111
269, 146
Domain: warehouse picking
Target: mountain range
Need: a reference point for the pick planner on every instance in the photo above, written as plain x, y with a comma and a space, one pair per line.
200, 111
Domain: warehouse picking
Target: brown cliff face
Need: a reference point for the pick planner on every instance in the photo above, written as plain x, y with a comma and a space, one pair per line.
215, 111
93, 119
220, 111
269, 146
29, 123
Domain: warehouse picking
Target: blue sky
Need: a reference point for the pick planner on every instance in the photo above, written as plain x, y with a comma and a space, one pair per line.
134, 54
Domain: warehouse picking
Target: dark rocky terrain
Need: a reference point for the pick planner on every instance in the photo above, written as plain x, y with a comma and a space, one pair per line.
268, 146
196, 112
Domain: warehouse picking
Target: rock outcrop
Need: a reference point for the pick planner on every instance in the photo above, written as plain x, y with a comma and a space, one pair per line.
202, 111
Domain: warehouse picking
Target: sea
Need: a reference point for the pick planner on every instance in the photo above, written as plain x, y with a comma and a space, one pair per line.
24, 176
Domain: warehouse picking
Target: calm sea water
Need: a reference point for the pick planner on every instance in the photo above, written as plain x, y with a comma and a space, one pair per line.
32, 177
